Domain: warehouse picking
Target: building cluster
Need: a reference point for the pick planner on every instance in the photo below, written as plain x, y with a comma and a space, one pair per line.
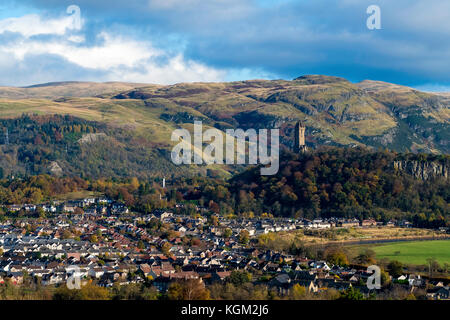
89, 206
108, 244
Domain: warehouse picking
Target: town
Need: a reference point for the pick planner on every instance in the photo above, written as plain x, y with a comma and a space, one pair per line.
113, 246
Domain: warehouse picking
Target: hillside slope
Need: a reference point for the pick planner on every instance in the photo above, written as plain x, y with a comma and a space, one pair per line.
65, 89
335, 111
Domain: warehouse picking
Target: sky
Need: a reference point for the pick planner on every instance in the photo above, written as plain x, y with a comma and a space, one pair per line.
172, 41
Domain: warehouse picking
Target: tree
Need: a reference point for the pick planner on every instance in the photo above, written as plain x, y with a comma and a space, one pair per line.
297, 292
40, 212
134, 184
214, 207
192, 289
433, 265
446, 267
244, 237
214, 220
66, 234
78, 210
395, 268
64, 293
385, 279
166, 249
238, 278
351, 294
87, 292
227, 233
366, 257
134, 291
337, 257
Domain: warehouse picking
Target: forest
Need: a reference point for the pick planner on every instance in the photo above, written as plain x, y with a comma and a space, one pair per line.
350, 183
37, 144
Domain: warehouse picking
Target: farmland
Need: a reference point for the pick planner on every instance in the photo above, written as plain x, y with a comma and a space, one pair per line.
415, 252
343, 236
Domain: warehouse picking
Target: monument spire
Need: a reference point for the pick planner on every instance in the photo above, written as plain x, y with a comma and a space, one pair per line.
299, 141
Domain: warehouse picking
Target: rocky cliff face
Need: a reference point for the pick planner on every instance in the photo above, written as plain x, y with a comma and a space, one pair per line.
422, 170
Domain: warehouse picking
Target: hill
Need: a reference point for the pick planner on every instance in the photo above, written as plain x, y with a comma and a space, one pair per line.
65, 89
345, 182
335, 111
71, 146
328, 182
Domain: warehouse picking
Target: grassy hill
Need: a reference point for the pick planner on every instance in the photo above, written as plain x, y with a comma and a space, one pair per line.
336, 111
66, 89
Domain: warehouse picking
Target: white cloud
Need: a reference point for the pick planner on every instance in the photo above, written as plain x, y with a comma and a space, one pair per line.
111, 58
177, 69
33, 24
113, 51
77, 39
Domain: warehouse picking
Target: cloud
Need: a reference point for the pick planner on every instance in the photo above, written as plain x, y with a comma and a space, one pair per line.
112, 51
41, 50
32, 24
231, 39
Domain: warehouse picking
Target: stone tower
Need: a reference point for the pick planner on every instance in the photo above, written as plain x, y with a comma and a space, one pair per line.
299, 144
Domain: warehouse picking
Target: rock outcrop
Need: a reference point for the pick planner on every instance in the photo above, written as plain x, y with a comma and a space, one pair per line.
91, 137
55, 168
422, 169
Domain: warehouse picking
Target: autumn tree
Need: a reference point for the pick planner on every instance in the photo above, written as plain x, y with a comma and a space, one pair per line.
214, 220
366, 257
244, 237
337, 257
165, 249
87, 292
297, 292
192, 289
227, 233
78, 210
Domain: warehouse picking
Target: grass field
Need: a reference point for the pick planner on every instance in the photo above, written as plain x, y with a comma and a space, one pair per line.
345, 235
77, 195
415, 252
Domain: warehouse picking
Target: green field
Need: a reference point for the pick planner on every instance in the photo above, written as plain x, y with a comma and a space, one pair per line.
415, 252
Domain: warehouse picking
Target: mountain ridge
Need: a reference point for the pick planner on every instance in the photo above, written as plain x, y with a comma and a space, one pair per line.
335, 111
